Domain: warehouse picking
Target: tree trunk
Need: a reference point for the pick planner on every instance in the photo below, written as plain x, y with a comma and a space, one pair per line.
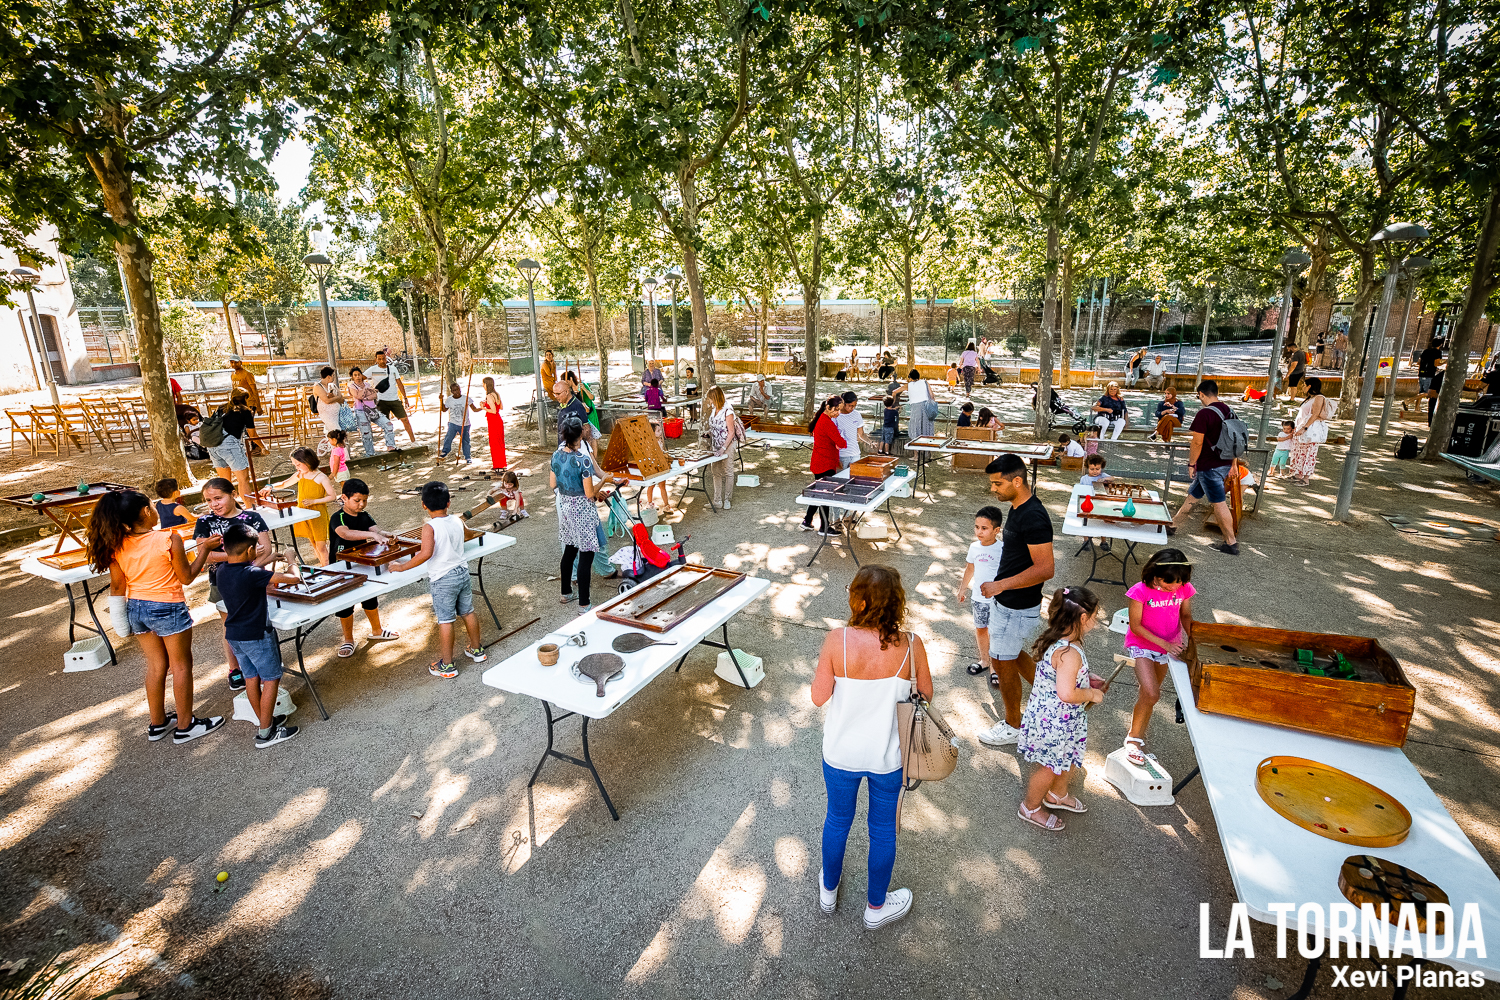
1065, 359
1481, 287
765, 347
810, 308
598, 307
111, 169
686, 233
1359, 324
1317, 291
911, 319
234, 346
1043, 424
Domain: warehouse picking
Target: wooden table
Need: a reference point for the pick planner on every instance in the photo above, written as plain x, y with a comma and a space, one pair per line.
556, 687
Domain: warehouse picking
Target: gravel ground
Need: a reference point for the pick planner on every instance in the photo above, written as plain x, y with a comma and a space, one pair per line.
395, 850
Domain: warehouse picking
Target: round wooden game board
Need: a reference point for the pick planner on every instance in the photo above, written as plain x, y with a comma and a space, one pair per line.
1331, 803
1364, 878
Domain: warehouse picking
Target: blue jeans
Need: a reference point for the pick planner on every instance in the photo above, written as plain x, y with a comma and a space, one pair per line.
258, 657
368, 416
1209, 484
843, 797
448, 440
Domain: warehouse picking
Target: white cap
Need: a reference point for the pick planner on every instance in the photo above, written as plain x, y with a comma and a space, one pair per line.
236, 357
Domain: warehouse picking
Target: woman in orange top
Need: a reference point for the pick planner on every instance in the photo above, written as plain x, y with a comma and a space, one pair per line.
147, 569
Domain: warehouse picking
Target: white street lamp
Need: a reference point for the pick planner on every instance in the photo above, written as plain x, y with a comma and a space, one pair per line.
529, 269
407, 286
31, 278
650, 286
674, 278
1413, 266
320, 266
1293, 263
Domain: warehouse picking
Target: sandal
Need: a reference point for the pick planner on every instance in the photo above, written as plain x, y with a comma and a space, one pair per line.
346, 649
385, 636
1135, 748
1051, 801
975, 669
994, 680
1053, 823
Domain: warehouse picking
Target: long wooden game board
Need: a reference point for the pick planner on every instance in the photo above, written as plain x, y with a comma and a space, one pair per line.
1111, 510
667, 600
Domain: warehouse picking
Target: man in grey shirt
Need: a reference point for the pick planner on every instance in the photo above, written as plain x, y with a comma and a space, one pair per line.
388, 392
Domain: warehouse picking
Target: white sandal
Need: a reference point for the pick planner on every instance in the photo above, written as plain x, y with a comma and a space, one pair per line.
385, 636
346, 649
1051, 801
1135, 751
1054, 823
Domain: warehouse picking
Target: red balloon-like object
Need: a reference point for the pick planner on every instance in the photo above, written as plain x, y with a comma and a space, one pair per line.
1086, 505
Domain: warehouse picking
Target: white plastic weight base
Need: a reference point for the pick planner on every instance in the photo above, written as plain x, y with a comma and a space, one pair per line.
1145, 786
86, 654
751, 665
244, 713
872, 530
747, 479
661, 534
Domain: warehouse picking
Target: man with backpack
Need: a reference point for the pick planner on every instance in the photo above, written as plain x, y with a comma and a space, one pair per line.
1219, 437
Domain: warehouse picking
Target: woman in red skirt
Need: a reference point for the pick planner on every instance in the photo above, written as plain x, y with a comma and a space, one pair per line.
492, 407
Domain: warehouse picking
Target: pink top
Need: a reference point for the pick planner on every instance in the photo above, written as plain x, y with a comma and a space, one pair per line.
1161, 613
338, 458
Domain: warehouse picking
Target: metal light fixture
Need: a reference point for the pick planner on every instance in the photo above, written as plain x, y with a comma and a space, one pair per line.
1413, 267
31, 278
320, 266
529, 269
1393, 235
407, 286
650, 285
1293, 263
674, 278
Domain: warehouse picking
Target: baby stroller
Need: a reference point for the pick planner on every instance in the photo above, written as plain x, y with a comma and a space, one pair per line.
646, 558
990, 377
1059, 408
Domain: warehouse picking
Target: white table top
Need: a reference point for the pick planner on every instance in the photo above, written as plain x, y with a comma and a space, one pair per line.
892, 484
288, 615
777, 438
1274, 861
274, 519
676, 470
1027, 452
1073, 524
522, 674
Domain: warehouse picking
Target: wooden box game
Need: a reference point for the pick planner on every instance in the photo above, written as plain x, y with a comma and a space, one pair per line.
1121, 488
1129, 511
977, 433
633, 449
965, 437
377, 554
855, 489
1333, 685
667, 600
317, 585
873, 466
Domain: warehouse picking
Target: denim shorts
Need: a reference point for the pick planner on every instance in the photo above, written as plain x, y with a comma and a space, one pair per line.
887, 434
230, 454
1209, 483
1142, 653
258, 657
1010, 628
452, 595
982, 606
163, 618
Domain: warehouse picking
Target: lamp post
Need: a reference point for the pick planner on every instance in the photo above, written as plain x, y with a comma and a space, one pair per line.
1208, 312
529, 270
30, 278
1392, 235
320, 265
650, 286
407, 286
1413, 265
1293, 263
674, 278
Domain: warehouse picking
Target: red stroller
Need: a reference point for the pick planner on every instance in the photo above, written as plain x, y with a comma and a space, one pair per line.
650, 558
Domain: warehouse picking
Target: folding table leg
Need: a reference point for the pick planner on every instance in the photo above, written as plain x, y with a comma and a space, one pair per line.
478, 574
1186, 780
890, 514
587, 761
1309, 979
98, 628
302, 633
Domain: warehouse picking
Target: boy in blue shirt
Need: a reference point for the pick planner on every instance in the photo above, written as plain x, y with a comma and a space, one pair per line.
891, 414
242, 581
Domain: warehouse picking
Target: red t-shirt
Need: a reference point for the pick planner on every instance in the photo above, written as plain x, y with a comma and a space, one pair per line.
827, 443
1208, 422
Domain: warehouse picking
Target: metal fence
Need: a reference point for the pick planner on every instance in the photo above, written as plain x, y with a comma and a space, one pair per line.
1166, 462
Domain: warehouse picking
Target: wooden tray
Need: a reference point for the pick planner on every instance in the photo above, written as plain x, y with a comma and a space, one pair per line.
1364, 878
1253, 673
771, 427
1331, 803
68, 559
1120, 488
665, 601
317, 586
377, 554
873, 466
1111, 510
65, 497
851, 490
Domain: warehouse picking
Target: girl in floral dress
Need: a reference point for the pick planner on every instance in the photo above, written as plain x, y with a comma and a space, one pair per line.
1054, 727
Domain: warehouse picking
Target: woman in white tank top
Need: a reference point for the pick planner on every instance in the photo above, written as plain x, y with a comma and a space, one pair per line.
863, 670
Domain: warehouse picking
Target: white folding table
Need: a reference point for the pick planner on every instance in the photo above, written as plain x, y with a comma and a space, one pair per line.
1031, 454
84, 575
1272, 860
302, 619
557, 687
1131, 535
858, 509
676, 471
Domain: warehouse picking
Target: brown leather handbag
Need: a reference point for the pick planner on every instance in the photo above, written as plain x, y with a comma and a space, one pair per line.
929, 747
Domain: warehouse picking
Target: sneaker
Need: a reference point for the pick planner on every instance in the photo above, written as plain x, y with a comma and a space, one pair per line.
805, 526
830, 533
897, 905
727, 505
476, 654
827, 898
198, 727
1228, 548
278, 734
442, 669
236, 680
524, 513
1002, 734
154, 733
277, 720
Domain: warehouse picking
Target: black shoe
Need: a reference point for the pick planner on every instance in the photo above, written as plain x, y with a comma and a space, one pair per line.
278, 734
236, 680
1228, 549
1171, 531
154, 733
277, 720
198, 727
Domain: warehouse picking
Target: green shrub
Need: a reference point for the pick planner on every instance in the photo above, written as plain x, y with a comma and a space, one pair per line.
825, 344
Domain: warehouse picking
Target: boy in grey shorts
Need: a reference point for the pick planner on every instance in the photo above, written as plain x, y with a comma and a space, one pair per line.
448, 578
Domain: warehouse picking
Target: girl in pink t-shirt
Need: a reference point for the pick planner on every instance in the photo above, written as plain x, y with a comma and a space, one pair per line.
1161, 613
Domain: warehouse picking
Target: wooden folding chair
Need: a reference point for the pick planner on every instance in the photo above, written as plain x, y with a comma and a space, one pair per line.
21, 423
112, 422
49, 420
81, 424
136, 407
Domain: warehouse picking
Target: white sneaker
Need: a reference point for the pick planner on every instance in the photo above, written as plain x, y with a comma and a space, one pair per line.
897, 905
727, 505
827, 898
1002, 734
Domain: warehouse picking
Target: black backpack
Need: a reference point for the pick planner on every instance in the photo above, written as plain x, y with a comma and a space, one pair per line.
211, 432
1408, 447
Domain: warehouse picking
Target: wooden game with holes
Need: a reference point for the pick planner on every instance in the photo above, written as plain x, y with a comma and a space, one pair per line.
1136, 513
280, 502
855, 489
667, 600
1333, 685
69, 508
1331, 803
317, 586
1364, 878
633, 449
1121, 488
377, 554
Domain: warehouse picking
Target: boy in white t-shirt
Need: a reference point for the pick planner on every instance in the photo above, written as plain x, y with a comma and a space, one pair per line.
1070, 447
982, 562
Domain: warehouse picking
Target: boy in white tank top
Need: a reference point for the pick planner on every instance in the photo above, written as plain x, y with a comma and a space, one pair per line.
448, 578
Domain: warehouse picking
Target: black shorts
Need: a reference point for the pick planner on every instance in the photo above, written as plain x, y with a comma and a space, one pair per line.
1294, 380
369, 605
391, 408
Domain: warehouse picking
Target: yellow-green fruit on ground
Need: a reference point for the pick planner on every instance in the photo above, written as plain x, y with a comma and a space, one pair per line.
223, 876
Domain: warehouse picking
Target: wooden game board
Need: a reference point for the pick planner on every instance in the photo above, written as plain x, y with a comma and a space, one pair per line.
929, 441
1121, 488
1364, 878
67, 508
272, 501
668, 599
1254, 673
1331, 803
764, 426
317, 585
377, 554
1111, 510
855, 489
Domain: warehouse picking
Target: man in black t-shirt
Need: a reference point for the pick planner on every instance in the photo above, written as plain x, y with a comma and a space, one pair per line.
1208, 468
1025, 564
347, 527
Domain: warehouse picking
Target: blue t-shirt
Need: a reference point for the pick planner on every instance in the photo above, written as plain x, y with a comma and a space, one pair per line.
892, 413
1113, 405
242, 587
570, 468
